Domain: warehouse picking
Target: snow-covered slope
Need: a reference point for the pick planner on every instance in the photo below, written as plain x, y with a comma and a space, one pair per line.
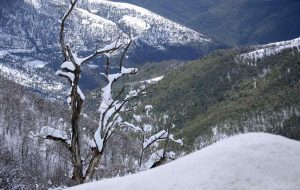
30, 32
94, 23
145, 25
250, 162
270, 49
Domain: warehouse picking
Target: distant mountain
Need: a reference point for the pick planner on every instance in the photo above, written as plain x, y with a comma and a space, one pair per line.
35, 24
30, 53
235, 22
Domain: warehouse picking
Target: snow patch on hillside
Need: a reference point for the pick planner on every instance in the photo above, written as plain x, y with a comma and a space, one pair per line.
35, 3
6, 52
136, 22
29, 80
36, 64
250, 161
153, 80
270, 49
94, 18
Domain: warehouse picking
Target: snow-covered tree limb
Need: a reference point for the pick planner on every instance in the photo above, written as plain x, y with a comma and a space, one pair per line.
161, 135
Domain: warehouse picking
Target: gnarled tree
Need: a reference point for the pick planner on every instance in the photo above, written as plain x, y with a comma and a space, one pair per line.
110, 107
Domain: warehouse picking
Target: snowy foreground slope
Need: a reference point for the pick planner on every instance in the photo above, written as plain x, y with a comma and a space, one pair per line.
249, 162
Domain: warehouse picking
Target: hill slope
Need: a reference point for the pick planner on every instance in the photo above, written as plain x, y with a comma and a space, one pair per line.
227, 93
250, 162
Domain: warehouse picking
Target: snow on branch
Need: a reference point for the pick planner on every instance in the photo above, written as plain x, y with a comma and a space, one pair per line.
69, 75
55, 134
131, 126
163, 134
80, 93
110, 108
178, 141
68, 65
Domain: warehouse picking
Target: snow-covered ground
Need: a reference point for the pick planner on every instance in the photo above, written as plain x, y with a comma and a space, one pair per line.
252, 161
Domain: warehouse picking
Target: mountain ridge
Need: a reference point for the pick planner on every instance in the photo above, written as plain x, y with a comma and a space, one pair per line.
243, 22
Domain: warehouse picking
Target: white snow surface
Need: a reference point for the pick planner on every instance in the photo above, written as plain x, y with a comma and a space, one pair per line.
253, 161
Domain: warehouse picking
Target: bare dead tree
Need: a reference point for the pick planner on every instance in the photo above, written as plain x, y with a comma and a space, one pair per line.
109, 109
161, 155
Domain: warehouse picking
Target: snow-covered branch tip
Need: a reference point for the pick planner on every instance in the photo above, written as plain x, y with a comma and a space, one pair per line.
62, 29
161, 135
50, 133
111, 107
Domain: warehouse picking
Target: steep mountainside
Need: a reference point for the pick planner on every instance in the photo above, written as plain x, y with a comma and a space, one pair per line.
235, 22
228, 92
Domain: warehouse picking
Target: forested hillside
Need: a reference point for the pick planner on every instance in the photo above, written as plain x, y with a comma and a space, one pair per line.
221, 95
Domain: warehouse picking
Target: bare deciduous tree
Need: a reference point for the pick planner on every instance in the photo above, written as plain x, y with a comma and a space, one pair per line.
109, 109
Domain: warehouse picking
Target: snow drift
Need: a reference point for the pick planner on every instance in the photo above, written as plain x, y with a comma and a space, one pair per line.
251, 161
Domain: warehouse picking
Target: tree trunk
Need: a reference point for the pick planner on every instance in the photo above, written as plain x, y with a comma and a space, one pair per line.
75, 146
92, 166
76, 106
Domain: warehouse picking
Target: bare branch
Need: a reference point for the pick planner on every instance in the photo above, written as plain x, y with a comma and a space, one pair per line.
63, 141
124, 53
100, 52
57, 139
62, 29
